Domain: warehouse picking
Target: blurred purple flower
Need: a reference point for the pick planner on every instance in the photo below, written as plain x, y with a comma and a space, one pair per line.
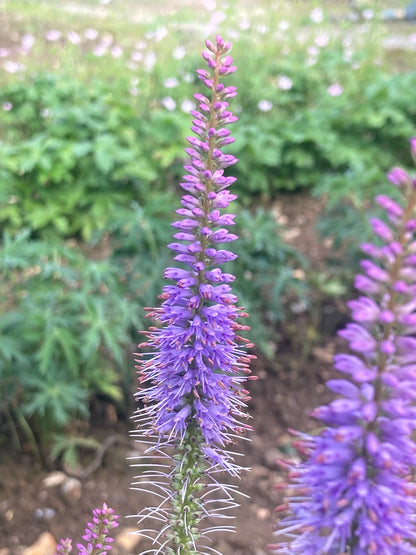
354, 490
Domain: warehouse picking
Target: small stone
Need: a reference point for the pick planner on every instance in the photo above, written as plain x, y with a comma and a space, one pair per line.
71, 490
126, 541
44, 545
54, 479
263, 513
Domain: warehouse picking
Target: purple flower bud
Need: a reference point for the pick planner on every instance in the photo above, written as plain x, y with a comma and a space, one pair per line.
398, 177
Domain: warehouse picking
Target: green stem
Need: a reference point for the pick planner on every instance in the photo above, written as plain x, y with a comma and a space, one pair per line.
187, 483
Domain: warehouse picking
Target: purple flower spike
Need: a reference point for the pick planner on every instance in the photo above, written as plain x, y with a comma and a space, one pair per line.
191, 382
97, 534
354, 489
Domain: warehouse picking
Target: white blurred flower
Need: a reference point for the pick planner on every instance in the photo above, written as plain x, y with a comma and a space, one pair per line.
187, 106
45, 112
233, 34
134, 81
4, 52
322, 40
107, 39
149, 61
136, 56
335, 89
412, 38
53, 35
7, 106
368, 14
116, 51
317, 15
160, 34
313, 50
169, 103
245, 24
104, 2
134, 91
28, 41
264, 105
217, 18
100, 50
187, 78
12, 67
209, 5
262, 29
310, 61
140, 44
170, 82
284, 82
74, 37
283, 25
91, 34
179, 52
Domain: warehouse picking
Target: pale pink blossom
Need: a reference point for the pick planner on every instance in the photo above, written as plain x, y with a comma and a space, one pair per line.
285, 83
264, 105
28, 40
179, 52
187, 106
168, 103
7, 106
53, 35
317, 15
91, 34
100, 50
170, 83
209, 5
335, 89
74, 37
136, 56
116, 51
322, 40
149, 61
12, 67
4, 52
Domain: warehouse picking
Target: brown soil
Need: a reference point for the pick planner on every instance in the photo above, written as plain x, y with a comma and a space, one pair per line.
283, 396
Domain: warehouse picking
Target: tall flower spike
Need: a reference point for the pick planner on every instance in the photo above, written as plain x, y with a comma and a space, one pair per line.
192, 380
354, 492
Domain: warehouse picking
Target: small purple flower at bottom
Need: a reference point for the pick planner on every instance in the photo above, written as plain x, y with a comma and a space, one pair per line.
97, 534
354, 489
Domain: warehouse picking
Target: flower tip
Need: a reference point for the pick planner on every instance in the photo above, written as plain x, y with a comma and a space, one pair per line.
413, 147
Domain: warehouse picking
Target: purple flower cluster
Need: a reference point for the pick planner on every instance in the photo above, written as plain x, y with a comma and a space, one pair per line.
354, 490
97, 534
197, 362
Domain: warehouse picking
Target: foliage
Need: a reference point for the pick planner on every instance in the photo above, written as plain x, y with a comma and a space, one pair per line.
266, 268
63, 328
